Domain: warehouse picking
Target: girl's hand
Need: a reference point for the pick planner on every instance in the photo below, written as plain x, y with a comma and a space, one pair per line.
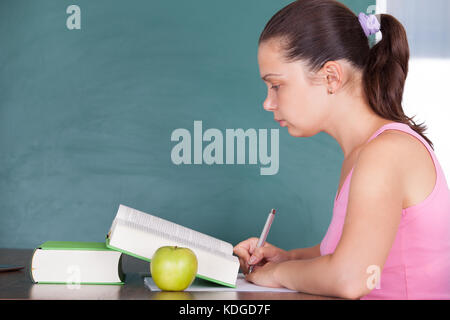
264, 276
250, 255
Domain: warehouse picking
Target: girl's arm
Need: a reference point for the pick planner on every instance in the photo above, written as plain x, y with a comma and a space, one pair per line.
316, 276
305, 253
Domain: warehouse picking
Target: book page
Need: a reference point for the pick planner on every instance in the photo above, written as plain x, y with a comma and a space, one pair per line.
172, 230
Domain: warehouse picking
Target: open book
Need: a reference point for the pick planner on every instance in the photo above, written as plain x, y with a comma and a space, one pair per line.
140, 234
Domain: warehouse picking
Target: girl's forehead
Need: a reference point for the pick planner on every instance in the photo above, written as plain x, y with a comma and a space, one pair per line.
270, 61
269, 50
274, 65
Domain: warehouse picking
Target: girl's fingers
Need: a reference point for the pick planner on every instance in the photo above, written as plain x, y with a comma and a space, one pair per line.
244, 265
241, 252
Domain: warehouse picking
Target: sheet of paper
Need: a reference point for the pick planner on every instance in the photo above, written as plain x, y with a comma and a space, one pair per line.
204, 285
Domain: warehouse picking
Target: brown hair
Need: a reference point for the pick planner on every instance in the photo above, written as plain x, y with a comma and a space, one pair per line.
318, 31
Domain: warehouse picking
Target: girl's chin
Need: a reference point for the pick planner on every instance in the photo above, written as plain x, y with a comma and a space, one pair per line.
300, 134
294, 132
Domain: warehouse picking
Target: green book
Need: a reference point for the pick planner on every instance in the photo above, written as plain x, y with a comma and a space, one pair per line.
140, 234
69, 262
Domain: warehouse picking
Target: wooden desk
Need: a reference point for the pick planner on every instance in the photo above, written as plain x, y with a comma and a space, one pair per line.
18, 285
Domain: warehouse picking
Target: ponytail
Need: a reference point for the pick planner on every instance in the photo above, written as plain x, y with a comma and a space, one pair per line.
385, 74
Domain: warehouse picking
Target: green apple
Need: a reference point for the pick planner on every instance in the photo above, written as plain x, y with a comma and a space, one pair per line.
173, 268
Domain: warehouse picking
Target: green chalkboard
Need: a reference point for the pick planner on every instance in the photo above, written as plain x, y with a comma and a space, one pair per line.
86, 118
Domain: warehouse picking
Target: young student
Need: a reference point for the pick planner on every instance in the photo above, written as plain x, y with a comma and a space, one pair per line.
389, 237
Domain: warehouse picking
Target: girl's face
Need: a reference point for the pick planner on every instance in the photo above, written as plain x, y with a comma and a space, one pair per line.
297, 101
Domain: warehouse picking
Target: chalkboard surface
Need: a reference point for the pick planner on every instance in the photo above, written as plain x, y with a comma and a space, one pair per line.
87, 114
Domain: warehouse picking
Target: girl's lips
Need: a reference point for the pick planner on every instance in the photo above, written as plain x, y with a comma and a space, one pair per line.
282, 123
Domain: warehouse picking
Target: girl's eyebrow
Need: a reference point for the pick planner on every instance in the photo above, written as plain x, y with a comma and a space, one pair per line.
270, 75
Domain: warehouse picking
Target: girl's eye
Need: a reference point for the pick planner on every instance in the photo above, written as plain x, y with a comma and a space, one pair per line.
275, 87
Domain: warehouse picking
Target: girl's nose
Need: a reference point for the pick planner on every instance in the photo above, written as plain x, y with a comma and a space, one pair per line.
268, 105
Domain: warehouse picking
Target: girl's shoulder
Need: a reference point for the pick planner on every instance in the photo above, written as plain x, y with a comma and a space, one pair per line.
405, 157
402, 148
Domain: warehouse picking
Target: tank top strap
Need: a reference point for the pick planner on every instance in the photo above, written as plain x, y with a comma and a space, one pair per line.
396, 125
405, 128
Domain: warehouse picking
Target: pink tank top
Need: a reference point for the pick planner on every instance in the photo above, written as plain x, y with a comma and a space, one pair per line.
418, 265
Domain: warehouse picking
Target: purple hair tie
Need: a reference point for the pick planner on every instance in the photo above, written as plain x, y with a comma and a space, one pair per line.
370, 24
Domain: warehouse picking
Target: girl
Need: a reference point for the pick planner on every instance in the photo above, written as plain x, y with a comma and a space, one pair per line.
389, 237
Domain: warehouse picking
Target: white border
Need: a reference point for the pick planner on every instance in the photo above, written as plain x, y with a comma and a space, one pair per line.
381, 8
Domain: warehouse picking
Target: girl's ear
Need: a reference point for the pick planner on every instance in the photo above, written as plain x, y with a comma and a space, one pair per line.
332, 75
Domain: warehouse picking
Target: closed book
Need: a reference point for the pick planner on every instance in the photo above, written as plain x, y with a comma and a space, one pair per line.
69, 262
140, 234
